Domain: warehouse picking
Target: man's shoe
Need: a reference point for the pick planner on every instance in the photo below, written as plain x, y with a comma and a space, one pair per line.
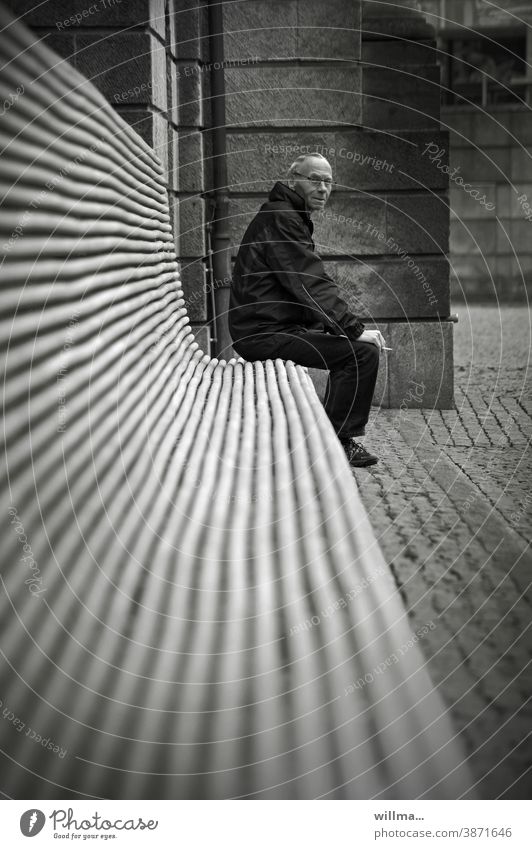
357, 454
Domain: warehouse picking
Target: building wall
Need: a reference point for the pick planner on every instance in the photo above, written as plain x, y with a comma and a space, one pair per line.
357, 80
146, 57
486, 52
491, 244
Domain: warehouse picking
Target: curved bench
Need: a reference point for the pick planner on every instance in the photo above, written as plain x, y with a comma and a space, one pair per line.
194, 603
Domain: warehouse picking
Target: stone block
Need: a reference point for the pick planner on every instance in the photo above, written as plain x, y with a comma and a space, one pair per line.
257, 160
192, 226
45, 14
418, 223
401, 100
434, 153
466, 207
172, 91
328, 30
361, 226
360, 160
241, 211
192, 162
280, 29
382, 161
319, 378
188, 21
521, 166
421, 364
484, 165
64, 45
350, 224
399, 24
174, 206
173, 158
386, 288
128, 68
160, 144
292, 96
194, 283
381, 396
64, 15
191, 79
473, 237
398, 54
266, 29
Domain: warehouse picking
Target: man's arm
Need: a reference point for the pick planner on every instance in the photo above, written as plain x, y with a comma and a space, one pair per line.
302, 273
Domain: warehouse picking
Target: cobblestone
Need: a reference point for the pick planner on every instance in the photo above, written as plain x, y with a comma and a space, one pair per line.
451, 505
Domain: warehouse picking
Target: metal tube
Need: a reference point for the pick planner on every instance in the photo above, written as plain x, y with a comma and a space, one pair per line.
220, 229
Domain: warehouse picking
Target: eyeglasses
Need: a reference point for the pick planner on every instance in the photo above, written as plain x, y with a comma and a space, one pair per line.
316, 181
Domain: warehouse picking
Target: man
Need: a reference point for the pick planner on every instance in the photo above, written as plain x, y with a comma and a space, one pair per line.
284, 305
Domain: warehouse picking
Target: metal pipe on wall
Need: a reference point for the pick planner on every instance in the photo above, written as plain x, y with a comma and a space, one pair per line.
220, 235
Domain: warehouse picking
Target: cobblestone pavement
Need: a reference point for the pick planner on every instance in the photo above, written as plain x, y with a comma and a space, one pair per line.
451, 504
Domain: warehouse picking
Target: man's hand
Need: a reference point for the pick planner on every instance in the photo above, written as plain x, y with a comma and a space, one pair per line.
375, 337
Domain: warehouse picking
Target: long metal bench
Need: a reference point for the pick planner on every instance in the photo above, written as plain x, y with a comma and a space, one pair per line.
193, 603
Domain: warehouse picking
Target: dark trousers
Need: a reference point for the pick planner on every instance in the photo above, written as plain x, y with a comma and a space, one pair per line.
352, 367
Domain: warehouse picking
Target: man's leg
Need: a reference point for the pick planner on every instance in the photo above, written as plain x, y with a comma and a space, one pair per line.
352, 366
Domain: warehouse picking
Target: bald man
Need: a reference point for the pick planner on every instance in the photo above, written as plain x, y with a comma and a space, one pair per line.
284, 304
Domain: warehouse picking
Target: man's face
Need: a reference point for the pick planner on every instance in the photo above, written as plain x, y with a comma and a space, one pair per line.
313, 181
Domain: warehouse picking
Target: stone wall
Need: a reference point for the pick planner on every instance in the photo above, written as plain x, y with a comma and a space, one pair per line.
147, 58
357, 81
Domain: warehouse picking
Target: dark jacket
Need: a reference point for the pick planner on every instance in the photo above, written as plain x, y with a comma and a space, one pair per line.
279, 282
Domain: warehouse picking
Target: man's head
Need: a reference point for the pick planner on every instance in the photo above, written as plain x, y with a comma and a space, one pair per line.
311, 177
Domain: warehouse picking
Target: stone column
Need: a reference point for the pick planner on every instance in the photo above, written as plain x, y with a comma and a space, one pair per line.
358, 83
405, 276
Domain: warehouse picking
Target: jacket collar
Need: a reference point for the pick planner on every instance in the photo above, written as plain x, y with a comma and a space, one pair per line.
283, 192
